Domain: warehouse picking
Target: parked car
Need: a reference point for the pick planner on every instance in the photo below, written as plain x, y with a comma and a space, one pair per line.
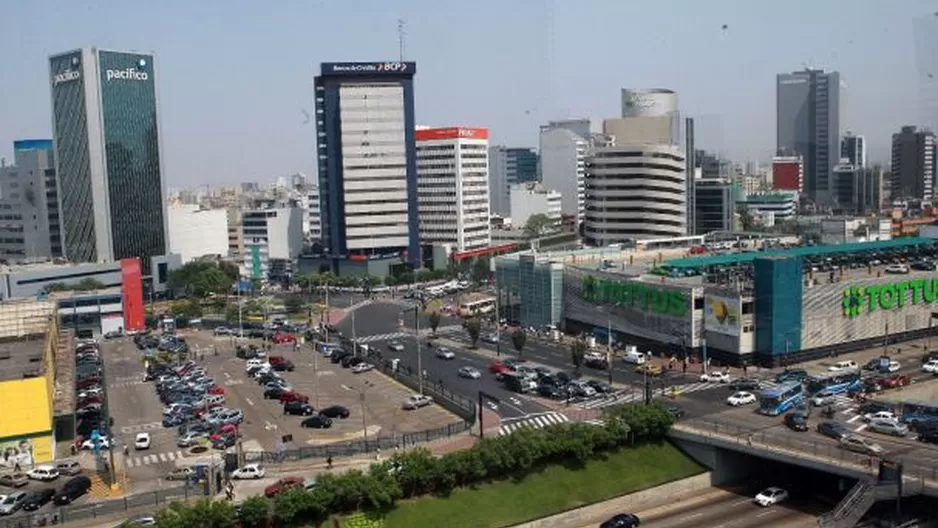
74, 488
888, 416
38, 499
14, 480
861, 444
889, 427
317, 422
43, 473
13, 502
298, 408
249, 471
362, 367
284, 484
335, 411
417, 401
182, 473
621, 520
293, 396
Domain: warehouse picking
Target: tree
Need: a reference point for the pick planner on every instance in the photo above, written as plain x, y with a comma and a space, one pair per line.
434, 319
518, 339
187, 309
480, 270
254, 512
577, 353
200, 278
538, 225
474, 329
204, 514
746, 221
294, 303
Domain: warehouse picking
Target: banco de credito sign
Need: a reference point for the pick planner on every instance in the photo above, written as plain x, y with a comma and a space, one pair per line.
858, 300
642, 296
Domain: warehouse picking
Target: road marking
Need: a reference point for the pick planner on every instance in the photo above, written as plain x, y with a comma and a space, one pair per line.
861, 428
249, 401
855, 418
767, 512
345, 387
514, 400
691, 516
269, 426
744, 501
227, 376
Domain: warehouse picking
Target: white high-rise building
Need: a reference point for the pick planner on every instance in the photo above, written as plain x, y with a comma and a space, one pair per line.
563, 164
273, 238
312, 216
195, 232
453, 187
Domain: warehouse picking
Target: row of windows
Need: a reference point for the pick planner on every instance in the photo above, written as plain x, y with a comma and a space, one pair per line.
594, 185
649, 210
658, 155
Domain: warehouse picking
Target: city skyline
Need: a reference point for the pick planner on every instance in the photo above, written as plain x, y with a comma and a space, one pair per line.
248, 96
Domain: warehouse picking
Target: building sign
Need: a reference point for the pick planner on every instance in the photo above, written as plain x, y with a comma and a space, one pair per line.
721, 315
637, 295
369, 68
66, 76
127, 74
429, 134
858, 300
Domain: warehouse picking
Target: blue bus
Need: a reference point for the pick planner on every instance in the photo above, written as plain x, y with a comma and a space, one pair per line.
835, 383
777, 400
916, 413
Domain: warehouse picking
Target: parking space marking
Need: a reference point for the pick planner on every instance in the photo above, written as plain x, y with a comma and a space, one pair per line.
138, 428
249, 402
124, 384
855, 418
861, 428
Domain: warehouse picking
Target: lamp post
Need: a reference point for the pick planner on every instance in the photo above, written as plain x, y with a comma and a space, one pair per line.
417, 310
492, 399
609, 347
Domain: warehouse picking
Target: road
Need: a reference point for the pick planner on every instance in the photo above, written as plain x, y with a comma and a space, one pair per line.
739, 511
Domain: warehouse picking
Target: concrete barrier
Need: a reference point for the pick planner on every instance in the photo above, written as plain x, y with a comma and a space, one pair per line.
633, 502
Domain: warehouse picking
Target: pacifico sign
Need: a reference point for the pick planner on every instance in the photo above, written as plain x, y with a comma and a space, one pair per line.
867, 299
66, 76
129, 74
644, 297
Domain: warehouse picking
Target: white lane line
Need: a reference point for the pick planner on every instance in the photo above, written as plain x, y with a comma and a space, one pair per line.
249, 401
743, 501
162, 457
855, 418
767, 512
691, 516
861, 428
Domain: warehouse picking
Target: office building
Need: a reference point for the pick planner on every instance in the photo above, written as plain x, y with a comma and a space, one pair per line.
367, 160
312, 215
652, 115
913, 164
853, 148
453, 187
771, 206
714, 205
507, 167
635, 192
691, 171
235, 220
847, 187
196, 232
809, 110
29, 209
563, 162
273, 239
107, 152
533, 198
788, 173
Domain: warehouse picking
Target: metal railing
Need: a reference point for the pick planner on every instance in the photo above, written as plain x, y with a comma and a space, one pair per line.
852, 508
81, 512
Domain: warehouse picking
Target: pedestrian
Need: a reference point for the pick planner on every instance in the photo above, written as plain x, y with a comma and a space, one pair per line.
749, 440
16, 467
126, 450
329, 462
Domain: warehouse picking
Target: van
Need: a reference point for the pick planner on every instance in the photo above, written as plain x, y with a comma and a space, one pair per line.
255, 363
635, 357
843, 366
68, 467
215, 399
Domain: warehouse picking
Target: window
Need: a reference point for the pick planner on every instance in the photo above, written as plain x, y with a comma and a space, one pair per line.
698, 303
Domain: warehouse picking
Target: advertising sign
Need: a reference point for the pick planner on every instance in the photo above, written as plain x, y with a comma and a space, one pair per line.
645, 297
16, 453
132, 287
722, 315
369, 68
858, 300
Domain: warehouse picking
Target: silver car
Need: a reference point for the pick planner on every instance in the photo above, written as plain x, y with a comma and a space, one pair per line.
889, 427
12, 503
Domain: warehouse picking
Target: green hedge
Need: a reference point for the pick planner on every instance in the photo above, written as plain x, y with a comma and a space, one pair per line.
418, 472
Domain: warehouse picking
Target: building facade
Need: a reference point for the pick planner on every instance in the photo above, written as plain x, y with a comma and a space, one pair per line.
714, 206
853, 147
635, 193
367, 159
533, 198
772, 206
195, 232
653, 117
273, 239
107, 151
453, 187
563, 163
312, 215
507, 167
30, 227
809, 116
847, 187
913, 164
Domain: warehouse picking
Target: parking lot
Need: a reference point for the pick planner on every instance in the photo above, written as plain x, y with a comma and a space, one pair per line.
374, 403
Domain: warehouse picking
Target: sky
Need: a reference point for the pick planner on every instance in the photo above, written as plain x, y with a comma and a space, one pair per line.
235, 77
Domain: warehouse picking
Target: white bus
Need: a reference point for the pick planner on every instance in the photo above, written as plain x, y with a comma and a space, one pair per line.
474, 307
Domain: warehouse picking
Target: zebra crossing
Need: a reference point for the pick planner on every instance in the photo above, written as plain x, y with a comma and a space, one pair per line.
153, 458
605, 400
533, 421
124, 384
381, 337
139, 428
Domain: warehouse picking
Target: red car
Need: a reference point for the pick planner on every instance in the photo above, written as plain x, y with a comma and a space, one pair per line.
896, 380
284, 484
275, 360
497, 367
284, 338
293, 396
227, 429
215, 389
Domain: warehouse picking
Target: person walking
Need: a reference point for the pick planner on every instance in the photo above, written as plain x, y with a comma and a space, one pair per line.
329, 462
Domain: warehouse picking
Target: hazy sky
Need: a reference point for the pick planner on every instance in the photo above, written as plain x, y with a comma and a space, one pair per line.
234, 79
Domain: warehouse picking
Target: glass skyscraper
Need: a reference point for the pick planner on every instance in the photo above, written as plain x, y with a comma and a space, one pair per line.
106, 130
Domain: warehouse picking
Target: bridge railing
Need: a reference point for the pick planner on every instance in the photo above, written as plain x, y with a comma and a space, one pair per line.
828, 452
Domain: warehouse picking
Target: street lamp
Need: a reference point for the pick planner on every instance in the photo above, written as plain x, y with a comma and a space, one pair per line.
609, 347
490, 398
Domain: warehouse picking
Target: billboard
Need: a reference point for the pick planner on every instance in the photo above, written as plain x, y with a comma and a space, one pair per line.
132, 286
722, 314
429, 134
369, 68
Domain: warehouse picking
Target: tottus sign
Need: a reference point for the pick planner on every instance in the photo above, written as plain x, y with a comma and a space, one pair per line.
858, 300
645, 297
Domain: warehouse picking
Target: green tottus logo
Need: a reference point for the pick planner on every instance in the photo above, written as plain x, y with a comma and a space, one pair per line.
634, 294
867, 299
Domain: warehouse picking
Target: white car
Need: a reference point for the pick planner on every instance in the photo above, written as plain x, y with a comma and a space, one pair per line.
771, 496
396, 346
362, 367
104, 442
715, 377
894, 366
898, 269
469, 372
881, 416
823, 398
445, 353
142, 441
931, 366
491, 339
44, 473
249, 471
13, 503
417, 401
741, 398
843, 365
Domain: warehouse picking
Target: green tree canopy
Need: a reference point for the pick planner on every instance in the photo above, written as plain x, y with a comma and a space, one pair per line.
200, 278
538, 225
434, 319
518, 340
474, 329
577, 353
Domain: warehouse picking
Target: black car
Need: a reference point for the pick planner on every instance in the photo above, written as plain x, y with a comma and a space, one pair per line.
622, 520
317, 422
833, 430
929, 436
38, 499
284, 366
351, 361
274, 393
562, 378
744, 384
75, 487
676, 412
298, 408
796, 421
335, 411
549, 390
338, 355
873, 407
600, 387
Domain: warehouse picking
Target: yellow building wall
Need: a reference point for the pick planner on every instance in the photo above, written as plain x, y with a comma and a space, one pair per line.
27, 407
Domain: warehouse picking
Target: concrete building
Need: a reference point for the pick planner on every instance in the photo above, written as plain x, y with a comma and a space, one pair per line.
367, 160
635, 192
653, 117
235, 233
772, 206
714, 205
29, 209
563, 162
507, 167
788, 173
273, 239
532, 198
847, 187
30, 280
691, 172
453, 187
913, 164
195, 232
809, 115
849, 230
312, 215
853, 147
105, 118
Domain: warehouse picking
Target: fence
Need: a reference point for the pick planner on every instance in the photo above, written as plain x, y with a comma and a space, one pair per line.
66, 514
458, 404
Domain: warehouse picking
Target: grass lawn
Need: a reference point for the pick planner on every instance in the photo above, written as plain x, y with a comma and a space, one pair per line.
551, 490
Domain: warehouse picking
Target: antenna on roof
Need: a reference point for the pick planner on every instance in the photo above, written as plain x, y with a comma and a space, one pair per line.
401, 35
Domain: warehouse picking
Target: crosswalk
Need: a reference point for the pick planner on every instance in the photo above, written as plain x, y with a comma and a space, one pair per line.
534, 421
139, 428
153, 458
381, 337
124, 384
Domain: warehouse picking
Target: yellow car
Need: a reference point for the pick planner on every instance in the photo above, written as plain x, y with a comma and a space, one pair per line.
650, 369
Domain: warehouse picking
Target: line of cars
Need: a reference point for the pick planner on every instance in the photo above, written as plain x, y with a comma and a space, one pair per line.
266, 373
518, 377
89, 396
31, 501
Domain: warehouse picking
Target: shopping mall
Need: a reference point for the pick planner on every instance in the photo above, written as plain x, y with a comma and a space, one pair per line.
745, 306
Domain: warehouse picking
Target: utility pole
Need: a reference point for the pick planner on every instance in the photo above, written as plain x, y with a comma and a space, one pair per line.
498, 318
419, 355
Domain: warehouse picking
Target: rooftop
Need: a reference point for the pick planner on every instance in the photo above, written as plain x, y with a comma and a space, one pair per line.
22, 357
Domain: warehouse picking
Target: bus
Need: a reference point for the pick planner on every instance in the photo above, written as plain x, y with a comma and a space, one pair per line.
777, 400
916, 413
835, 383
476, 306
